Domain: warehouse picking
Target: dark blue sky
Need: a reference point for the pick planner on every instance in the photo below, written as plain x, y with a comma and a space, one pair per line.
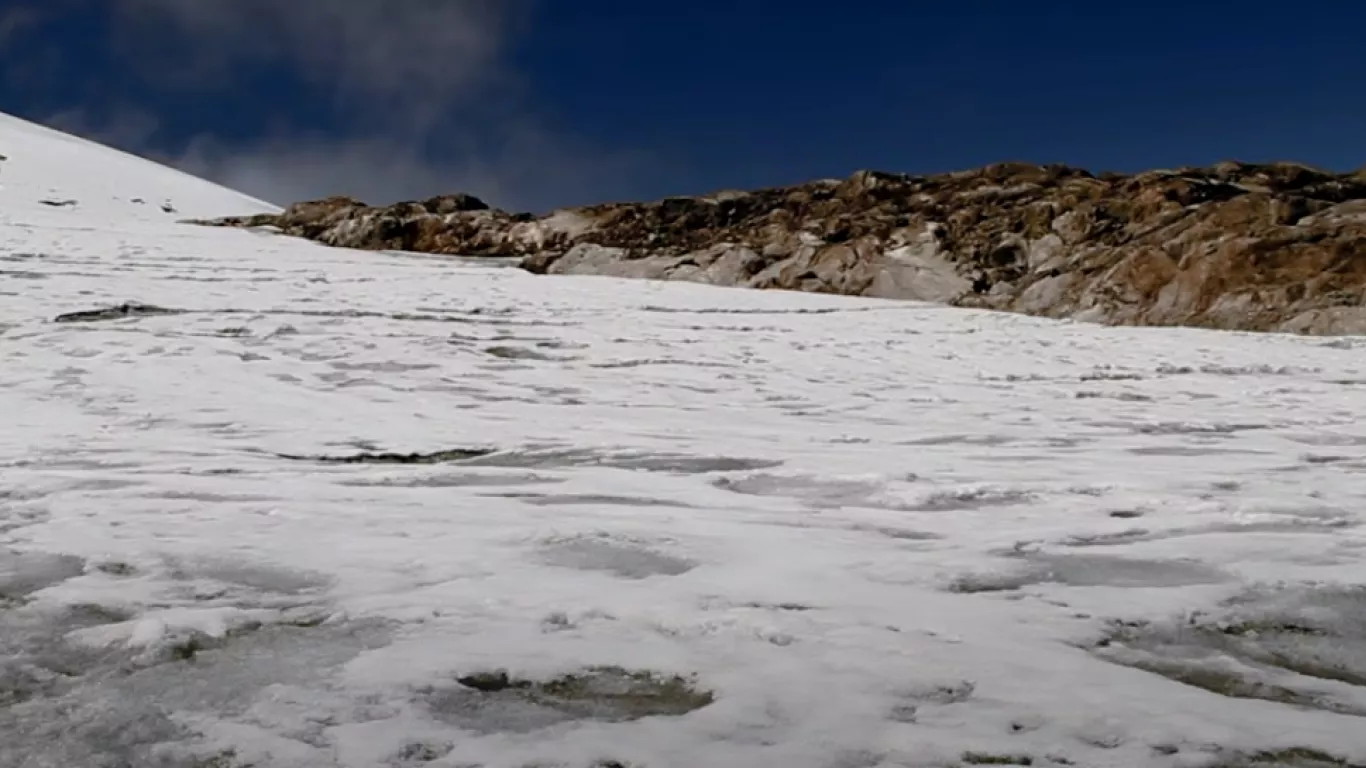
535, 103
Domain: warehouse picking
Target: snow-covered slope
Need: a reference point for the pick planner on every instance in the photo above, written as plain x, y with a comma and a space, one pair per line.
43, 167
304, 515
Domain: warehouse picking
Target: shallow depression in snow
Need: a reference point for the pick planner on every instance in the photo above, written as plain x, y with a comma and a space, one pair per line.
357, 509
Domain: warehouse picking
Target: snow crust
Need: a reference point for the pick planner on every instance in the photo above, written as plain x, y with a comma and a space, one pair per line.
43, 167
880, 534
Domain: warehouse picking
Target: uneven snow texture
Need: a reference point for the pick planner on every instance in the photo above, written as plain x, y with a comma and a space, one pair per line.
313, 514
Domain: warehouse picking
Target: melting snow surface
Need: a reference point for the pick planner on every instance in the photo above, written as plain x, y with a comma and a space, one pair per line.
329, 508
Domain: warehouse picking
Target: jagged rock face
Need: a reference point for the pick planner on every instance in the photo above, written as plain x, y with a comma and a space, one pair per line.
1237, 246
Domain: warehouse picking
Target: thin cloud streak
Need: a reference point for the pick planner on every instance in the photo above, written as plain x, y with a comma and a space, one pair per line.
423, 102
529, 170
16, 21
411, 61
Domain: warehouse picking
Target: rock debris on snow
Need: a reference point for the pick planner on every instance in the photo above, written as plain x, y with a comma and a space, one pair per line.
116, 312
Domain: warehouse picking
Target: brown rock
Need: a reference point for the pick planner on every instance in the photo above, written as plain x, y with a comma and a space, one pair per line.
444, 204
1254, 247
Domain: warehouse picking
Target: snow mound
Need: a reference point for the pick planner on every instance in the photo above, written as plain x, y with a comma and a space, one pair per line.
45, 168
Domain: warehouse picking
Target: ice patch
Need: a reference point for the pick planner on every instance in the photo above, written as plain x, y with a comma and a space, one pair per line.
1090, 571
1301, 646
495, 702
23, 573
627, 559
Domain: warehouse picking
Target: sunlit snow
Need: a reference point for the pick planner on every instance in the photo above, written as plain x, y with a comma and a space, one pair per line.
357, 509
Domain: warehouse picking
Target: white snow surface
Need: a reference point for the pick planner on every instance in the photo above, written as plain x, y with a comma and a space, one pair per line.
881, 534
44, 167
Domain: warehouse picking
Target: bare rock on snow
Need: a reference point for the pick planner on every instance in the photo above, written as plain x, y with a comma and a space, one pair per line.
1278, 247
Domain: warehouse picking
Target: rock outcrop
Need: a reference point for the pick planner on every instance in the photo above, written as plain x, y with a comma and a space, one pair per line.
1277, 247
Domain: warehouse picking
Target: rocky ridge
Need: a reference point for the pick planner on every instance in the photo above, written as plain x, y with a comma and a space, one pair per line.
1279, 247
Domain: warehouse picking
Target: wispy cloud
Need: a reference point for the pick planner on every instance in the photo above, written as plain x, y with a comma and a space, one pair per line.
15, 20
422, 101
415, 58
527, 169
121, 127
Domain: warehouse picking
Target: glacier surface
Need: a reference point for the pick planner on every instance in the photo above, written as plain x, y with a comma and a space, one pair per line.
264, 503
